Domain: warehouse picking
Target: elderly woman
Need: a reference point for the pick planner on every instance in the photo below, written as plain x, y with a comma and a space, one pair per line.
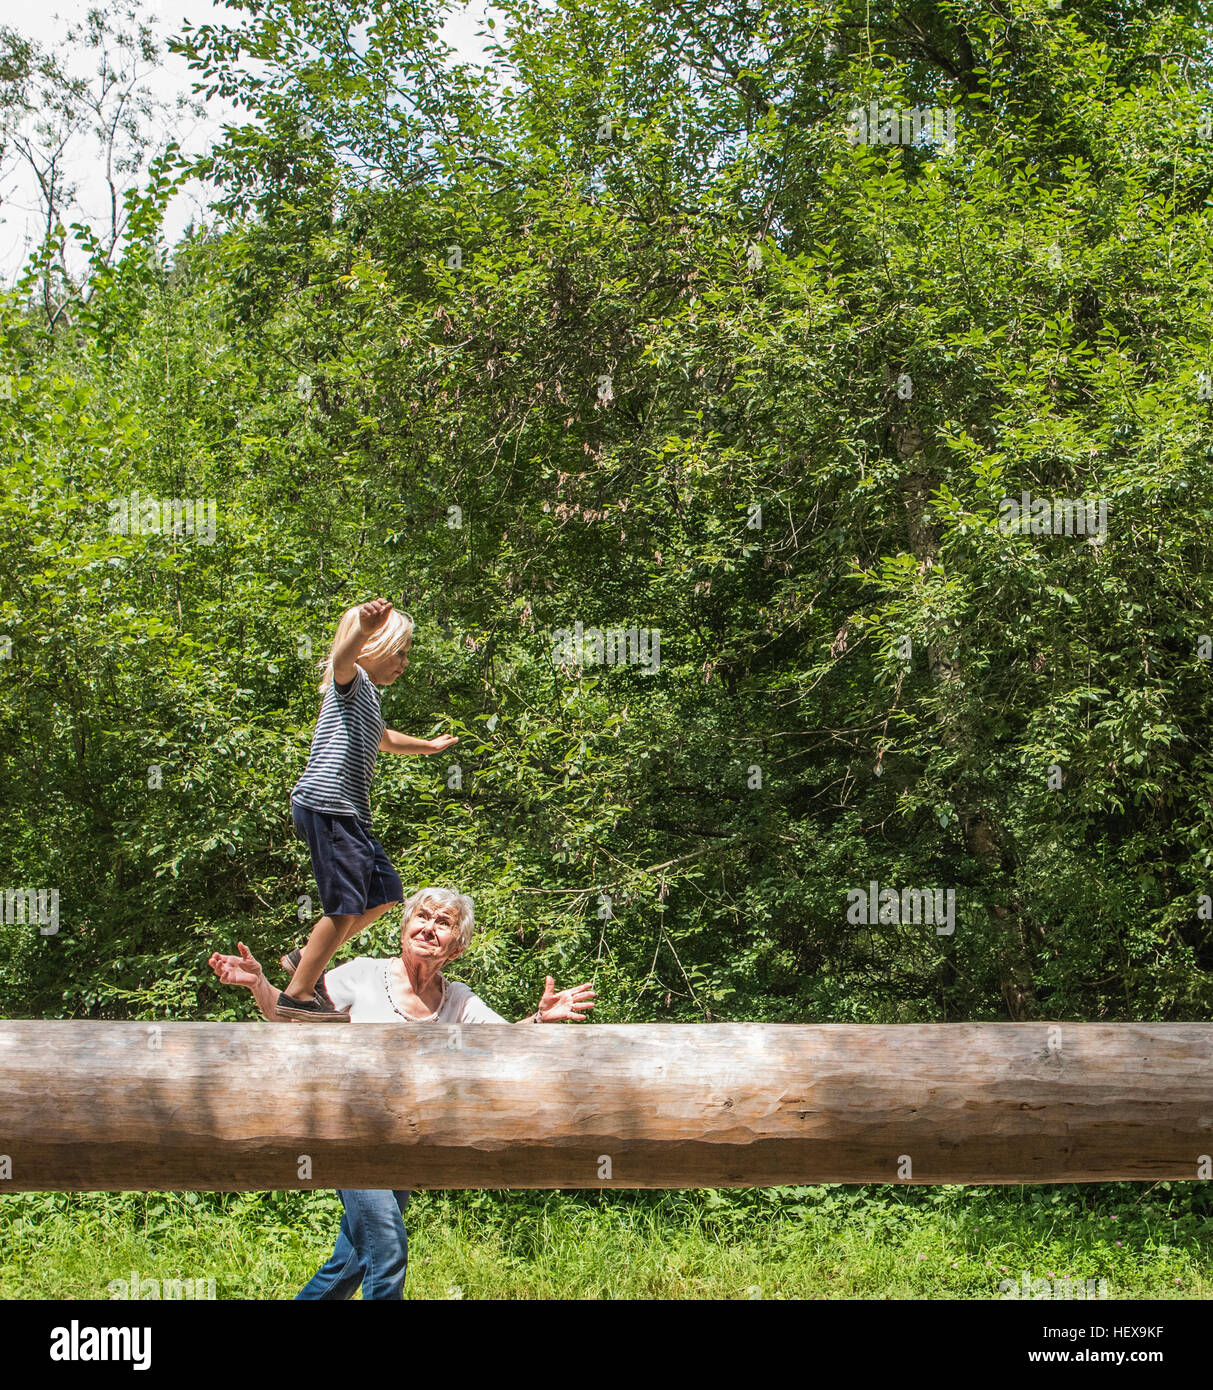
372, 1248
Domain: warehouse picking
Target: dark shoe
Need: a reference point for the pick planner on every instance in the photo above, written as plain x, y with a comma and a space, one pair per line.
290, 963
309, 1010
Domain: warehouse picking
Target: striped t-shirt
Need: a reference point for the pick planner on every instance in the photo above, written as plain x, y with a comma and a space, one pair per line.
337, 779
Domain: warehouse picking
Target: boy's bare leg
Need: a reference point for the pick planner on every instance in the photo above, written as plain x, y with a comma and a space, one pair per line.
326, 937
357, 924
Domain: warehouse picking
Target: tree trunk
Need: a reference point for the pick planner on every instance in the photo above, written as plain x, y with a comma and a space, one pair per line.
982, 838
236, 1107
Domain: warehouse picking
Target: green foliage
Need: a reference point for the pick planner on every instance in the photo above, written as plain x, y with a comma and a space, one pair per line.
650, 329
792, 1242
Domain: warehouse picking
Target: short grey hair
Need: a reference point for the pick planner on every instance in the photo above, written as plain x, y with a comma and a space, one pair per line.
465, 912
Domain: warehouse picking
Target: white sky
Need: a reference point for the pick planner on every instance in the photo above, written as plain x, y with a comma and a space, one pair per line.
19, 224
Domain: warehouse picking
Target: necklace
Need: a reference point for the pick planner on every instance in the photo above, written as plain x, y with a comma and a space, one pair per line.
430, 1018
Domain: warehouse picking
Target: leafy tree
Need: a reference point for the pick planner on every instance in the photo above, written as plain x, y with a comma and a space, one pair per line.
626, 331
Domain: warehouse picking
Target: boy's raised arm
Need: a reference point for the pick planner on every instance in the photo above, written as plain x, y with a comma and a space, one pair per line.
371, 617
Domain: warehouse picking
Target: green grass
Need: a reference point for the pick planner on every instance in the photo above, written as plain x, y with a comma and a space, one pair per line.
807, 1242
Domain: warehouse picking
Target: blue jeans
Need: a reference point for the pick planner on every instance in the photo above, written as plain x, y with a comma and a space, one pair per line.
372, 1249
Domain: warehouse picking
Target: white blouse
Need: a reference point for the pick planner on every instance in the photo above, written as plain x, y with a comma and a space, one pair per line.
361, 986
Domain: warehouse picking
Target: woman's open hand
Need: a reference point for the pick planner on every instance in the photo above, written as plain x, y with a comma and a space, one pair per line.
556, 1006
243, 969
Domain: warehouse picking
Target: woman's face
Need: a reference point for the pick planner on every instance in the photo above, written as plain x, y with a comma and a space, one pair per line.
431, 933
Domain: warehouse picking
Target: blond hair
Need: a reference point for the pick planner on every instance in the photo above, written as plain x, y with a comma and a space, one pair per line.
394, 633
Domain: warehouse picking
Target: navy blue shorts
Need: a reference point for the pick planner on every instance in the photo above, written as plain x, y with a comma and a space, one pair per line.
352, 869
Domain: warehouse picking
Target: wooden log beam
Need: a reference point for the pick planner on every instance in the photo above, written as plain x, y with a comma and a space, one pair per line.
238, 1107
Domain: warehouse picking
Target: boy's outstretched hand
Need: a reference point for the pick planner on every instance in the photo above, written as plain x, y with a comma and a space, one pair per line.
373, 615
243, 969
